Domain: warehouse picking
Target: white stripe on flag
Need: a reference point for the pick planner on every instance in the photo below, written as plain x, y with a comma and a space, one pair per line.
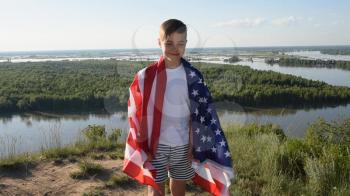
210, 170
138, 158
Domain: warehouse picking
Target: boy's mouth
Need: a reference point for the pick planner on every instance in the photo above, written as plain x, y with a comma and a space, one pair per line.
174, 54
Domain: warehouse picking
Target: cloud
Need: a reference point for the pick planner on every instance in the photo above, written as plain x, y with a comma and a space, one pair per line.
285, 21
246, 22
260, 21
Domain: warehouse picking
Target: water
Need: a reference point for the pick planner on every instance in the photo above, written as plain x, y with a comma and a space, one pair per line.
331, 76
33, 131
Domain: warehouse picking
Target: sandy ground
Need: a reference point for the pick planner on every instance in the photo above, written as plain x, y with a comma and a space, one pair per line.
48, 178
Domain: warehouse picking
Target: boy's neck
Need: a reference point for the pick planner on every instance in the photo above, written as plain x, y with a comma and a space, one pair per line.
171, 64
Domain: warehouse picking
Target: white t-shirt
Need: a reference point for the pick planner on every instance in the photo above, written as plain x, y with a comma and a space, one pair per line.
174, 130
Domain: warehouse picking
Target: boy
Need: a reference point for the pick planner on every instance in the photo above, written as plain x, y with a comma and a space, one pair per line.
173, 148
167, 100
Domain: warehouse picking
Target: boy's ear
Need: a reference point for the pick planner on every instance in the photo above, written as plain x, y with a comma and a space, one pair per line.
159, 42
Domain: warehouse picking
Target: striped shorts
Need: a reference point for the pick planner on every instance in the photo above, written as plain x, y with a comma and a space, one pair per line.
173, 162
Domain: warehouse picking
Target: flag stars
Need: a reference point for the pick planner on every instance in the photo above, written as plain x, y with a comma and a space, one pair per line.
197, 131
213, 149
200, 100
227, 154
192, 74
203, 138
203, 100
194, 92
200, 81
202, 119
217, 132
209, 110
213, 121
196, 112
222, 143
198, 149
208, 139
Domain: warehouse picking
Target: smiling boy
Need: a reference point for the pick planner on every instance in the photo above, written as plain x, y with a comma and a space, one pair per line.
169, 99
174, 141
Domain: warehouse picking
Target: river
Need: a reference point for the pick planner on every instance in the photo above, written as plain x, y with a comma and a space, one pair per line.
32, 131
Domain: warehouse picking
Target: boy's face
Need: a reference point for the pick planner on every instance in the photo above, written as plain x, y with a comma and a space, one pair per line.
173, 47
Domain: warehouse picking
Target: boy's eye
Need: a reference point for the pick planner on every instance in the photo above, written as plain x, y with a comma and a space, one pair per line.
179, 45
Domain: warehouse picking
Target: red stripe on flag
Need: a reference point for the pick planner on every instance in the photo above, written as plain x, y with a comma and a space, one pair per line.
216, 188
131, 141
136, 172
158, 107
147, 88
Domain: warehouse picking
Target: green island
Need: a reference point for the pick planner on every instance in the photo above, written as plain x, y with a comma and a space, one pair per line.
345, 50
90, 84
300, 62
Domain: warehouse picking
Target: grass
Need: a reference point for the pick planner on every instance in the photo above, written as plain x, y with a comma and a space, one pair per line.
18, 161
95, 192
97, 156
87, 169
266, 162
95, 144
120, 181
115, 155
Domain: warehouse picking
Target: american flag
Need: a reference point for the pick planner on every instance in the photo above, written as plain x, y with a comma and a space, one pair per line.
211, 156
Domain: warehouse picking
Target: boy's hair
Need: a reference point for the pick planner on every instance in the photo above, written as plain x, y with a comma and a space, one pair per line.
170, 26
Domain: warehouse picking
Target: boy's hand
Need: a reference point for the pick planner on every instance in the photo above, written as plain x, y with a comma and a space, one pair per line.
147, 162
149, 157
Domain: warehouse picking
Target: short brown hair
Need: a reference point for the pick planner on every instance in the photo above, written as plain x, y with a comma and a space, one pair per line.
170, 26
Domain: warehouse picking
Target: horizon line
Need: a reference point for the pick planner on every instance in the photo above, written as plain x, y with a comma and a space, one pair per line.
96, 49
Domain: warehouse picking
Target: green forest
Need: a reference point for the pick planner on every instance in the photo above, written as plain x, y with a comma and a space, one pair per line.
88, 85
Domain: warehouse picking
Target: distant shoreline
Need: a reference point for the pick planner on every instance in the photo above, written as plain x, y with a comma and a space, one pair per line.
189, 48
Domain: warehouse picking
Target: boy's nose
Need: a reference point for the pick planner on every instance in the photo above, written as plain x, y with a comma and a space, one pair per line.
175, 47
172, 46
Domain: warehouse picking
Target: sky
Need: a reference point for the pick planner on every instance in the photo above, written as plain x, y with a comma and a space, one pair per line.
30, 25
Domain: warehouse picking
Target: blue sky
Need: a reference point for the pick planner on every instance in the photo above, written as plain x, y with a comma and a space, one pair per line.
106, 24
